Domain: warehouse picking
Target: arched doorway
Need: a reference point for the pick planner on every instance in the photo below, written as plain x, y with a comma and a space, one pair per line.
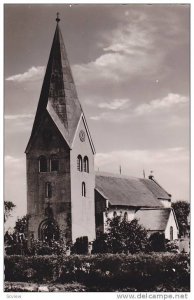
48, 230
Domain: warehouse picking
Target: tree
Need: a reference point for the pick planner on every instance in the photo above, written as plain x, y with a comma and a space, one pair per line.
21, 225
182, 210
157, 241
8, 207
124, 236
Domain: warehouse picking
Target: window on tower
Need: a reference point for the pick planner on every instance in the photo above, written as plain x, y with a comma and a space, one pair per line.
42, 164
48, 190
86, 164
83, 189
79, 163
54, 164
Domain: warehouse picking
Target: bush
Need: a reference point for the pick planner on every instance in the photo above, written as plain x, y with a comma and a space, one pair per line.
100, 244
37, 247
80, 246
143, 272
172, 246
122, 237
157, 242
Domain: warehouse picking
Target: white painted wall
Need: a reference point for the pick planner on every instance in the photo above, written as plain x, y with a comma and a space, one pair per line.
120, 212
166, 203
171, 222
83, 208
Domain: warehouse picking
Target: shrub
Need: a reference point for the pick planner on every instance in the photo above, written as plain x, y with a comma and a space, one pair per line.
122, 237
157, 242
143, 272
80, 246
172, 246
100, 244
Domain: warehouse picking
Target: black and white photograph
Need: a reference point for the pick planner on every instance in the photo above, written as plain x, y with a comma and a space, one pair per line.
97, 148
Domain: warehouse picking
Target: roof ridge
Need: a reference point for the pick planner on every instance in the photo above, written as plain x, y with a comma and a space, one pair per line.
106, 174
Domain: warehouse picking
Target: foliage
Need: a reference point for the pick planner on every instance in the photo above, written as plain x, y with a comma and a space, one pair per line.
80, 246
157, 241
21, 225
100, 244
51, 287
17, 244
8, 207
122, 237
182, 210
47, 248
138, 272
172, 246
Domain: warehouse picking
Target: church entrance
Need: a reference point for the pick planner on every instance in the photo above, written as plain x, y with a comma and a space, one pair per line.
48, 230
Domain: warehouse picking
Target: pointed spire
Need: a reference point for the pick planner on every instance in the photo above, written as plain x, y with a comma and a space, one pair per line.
57, 19
58, 95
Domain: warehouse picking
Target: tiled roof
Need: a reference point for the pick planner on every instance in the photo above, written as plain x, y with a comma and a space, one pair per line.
128, 191
58, 96
156, 189
153, 219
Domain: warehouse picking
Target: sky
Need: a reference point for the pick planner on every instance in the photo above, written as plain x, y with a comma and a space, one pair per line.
131, 68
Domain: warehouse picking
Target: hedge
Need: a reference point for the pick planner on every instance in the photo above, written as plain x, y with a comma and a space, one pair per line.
142, 272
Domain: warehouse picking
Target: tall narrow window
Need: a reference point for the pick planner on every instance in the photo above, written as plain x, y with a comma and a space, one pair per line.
42, 164
79, 163
115, 214
48, 190
171, 233
86, 164
54, 163
126, 216
83, 189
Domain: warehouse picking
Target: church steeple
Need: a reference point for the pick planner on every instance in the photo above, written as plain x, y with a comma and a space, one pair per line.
58, 96
60, 156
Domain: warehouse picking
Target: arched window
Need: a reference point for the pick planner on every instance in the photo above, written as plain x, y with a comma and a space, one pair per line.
126, 216
54, 164
83, 189
42, 164
48, 190
171, 233
86, 164
115, 214
79, 163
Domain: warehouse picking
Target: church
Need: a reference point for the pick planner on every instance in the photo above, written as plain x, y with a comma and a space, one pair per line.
64, 193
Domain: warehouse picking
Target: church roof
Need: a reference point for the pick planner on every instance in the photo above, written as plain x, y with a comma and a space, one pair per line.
130, 191
58, 96
153, 219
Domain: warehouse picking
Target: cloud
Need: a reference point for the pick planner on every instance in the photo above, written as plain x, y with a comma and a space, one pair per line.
120, 111
170, 166
147, 157
159, 104
16, 117
111, 116
11, 160
32, 74
115, 104
127, 50
18, 123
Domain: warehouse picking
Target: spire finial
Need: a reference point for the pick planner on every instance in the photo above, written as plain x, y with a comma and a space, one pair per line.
57, 19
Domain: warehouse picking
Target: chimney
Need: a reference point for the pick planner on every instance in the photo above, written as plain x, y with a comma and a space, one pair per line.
151, 176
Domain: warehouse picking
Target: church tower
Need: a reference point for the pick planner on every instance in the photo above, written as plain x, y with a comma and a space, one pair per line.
60, 157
